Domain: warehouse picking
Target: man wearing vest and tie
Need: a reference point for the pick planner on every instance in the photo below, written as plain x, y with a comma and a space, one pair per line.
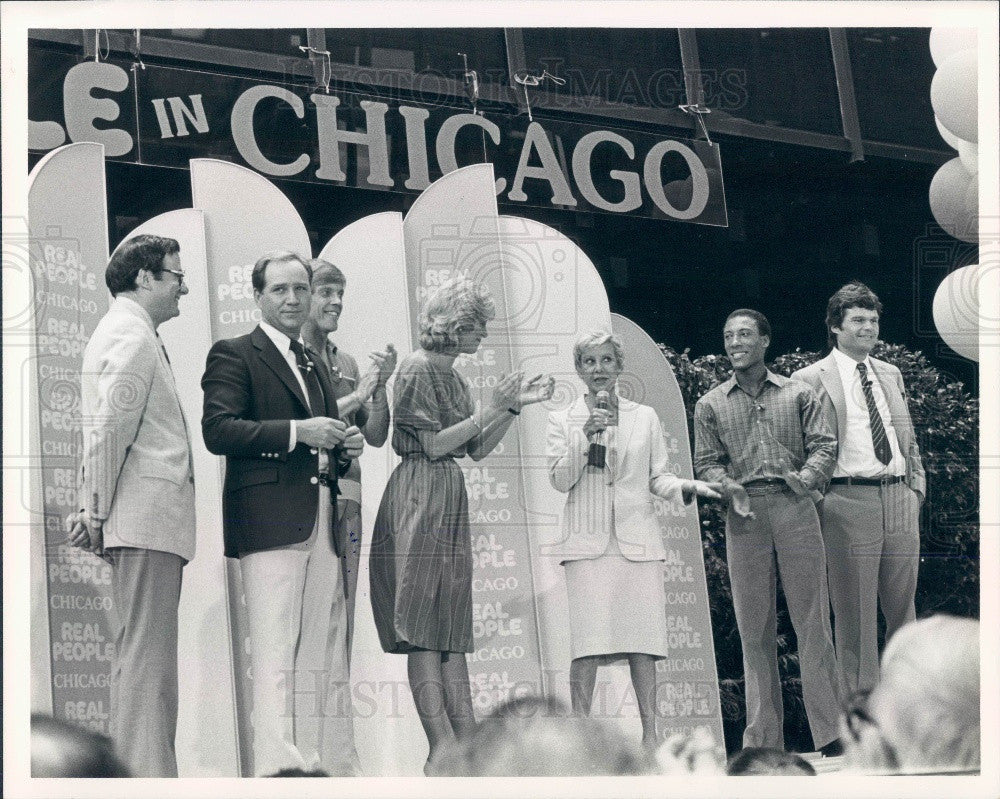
270, 408
870, 515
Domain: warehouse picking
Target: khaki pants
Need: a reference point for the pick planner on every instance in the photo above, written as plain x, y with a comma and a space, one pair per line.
785, 531
872, 542
146, 587
303, 715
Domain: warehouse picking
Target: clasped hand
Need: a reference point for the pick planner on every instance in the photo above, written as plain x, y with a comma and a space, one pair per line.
322, 431
85, 533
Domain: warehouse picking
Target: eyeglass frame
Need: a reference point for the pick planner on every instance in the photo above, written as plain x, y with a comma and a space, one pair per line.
177, 272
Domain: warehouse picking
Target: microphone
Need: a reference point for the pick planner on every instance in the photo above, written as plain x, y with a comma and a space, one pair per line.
597, 452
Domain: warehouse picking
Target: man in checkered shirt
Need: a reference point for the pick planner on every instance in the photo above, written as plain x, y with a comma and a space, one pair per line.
763, 436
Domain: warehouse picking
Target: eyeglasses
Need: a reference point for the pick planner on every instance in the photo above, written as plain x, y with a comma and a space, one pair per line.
180, 275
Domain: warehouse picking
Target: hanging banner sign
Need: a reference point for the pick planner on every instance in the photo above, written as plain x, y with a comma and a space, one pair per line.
165, 116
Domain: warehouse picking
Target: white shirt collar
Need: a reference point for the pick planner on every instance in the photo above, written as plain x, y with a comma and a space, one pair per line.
847, 364
282, 341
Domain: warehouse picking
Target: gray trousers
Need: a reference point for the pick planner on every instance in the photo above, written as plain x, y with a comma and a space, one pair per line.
146, 587
785, 529
872, 542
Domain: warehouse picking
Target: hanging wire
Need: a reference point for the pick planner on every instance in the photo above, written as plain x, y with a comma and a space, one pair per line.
528, 79
327, 73
137, 49
97, 45
699, 111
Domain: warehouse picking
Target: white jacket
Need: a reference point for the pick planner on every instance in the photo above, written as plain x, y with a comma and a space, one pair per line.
637, 471
137, 466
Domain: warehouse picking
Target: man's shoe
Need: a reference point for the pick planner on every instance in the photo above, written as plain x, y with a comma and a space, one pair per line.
833, 749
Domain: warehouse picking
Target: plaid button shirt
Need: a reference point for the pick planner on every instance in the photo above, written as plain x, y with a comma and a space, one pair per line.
743, 438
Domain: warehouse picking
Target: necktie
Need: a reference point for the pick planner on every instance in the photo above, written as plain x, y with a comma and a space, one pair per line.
308, 370
879, 439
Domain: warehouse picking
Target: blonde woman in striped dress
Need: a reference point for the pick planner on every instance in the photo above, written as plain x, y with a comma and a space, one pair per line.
421, 556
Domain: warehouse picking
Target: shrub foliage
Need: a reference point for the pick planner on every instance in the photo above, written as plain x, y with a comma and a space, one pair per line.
946, 421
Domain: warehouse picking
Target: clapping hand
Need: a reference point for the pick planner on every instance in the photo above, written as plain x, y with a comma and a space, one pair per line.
536, 390
385, 362
505, 395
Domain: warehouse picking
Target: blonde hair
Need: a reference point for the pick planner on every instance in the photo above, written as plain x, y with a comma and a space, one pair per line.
927, 701
456, 302
595, 338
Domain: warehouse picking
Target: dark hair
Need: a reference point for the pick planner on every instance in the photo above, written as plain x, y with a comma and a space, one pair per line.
323, 272
763, 326
854, 295
61, 749
760, 761
278, 256
142, 252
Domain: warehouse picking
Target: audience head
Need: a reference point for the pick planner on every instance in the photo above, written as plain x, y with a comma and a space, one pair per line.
754, 761
456, 305
923, 716
295, 771
141, 252
60, 749
536, 737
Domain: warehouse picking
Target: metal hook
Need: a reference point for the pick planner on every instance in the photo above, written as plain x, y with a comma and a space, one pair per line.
471, 80
698, 111
527, 79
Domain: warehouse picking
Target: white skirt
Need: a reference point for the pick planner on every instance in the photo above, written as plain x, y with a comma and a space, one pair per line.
616, 606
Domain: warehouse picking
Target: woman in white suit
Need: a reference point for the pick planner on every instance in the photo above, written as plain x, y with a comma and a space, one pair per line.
611, 546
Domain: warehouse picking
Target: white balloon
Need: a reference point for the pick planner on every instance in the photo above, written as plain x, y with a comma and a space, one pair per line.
969, 153
950, 138
946, 42
955, 95
956, 310
949, 200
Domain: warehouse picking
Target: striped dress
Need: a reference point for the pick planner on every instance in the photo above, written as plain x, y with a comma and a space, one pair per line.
421, 554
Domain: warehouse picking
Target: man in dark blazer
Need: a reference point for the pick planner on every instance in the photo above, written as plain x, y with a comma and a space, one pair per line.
871, 510
270, 408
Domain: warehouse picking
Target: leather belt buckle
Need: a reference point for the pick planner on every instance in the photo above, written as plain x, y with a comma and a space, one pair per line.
756, 488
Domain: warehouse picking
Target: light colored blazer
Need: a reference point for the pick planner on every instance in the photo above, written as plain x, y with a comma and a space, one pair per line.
137, 466
637, 470
824, 377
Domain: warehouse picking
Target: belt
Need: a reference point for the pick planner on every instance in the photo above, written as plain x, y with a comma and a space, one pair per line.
867, 481
757, 487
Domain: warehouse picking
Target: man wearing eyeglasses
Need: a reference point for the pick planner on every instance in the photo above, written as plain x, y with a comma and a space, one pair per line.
764, 438
137, 494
